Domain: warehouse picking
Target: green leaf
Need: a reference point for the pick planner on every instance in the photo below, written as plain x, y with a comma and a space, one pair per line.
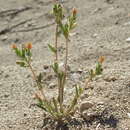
18, 52
76, 91
23, 53
80, 90
98, 69
21, 63
53, 49
49, 107
41, 105
55, 67
91, 74
28, 52
40, 78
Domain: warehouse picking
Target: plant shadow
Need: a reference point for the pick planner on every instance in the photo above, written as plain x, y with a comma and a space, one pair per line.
74, 123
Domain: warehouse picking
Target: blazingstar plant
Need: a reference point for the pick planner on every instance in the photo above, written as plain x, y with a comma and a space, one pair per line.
98, 70
54, 107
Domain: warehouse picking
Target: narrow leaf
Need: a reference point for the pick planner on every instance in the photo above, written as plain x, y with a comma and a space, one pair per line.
55, 104
40, 77
53, 49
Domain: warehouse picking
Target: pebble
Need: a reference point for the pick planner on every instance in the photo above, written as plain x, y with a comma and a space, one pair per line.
75, 77
112, 98
28, 76
46, 67
97, 10
24, 114
52, 85
128, 40
88, 116
6, 96
85, 105
4, 38
128, 115
110, 79
6, 76
1, 72
80, 71
128, 23
0, 83
100, 103
95, 35
85, 95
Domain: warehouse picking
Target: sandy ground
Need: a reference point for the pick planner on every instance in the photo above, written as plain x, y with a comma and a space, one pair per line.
103, 27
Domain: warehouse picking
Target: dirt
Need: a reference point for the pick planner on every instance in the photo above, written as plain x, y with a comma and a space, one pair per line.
103, 27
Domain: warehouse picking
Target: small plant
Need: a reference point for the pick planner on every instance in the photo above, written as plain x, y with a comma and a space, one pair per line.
55, 107
98, 70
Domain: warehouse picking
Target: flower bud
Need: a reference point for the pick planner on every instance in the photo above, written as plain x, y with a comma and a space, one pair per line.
14, 46
101, 59
29, 46
74, 11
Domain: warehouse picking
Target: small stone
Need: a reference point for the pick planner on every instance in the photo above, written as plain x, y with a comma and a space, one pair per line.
6, 95
0, 83
85, 95
112, 98
128, 40
95, 35
28, 76
128, 115
24, 114
100, 103
109, 1
128, 23
52, 85
88, 116
125, 101
117, 105
4, 38
79, 71
97, 10
45, 67
48, 77
85, 105
76, 76
73, 34
110, 79
6, 76
1, 72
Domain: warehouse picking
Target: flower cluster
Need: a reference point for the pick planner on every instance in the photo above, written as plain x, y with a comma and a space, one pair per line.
24, 53
99, 69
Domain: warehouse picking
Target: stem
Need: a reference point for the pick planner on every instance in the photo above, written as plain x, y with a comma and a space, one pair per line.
60, 94
59, 81
35, 78
56, 44
62, 83
66, 57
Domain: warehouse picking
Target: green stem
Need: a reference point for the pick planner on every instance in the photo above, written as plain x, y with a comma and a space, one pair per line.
56, 61
60, 95
66, 57
35, 78
62, 82
56, 44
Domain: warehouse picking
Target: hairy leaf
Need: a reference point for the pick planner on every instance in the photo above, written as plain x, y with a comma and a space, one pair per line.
53, 49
